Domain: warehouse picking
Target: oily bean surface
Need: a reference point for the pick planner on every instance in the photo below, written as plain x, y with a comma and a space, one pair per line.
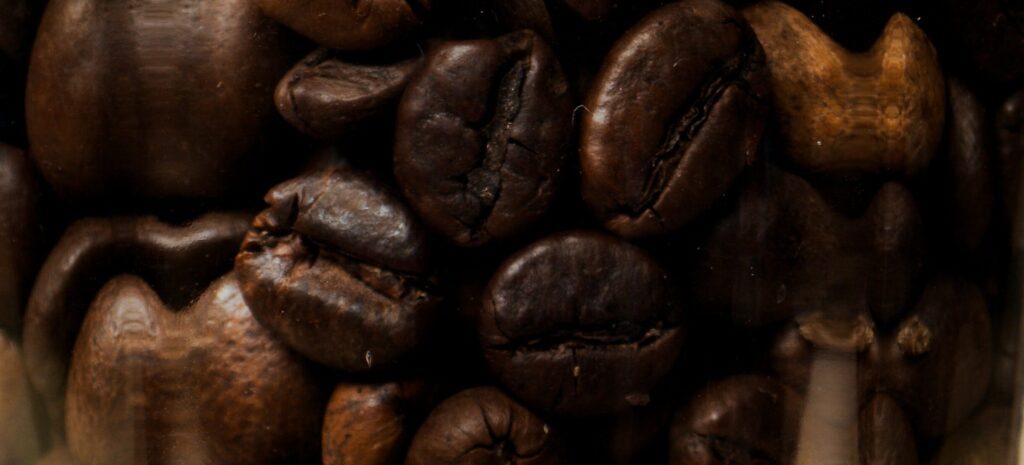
337, 267
590, 314
483, 425
328, 93
672, 118
482, 134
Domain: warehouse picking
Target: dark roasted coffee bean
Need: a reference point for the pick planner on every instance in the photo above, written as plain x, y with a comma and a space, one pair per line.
371, 424
483, 426
328, 93
743, 420
23, 231
843, 113
154, 100
936, 362
20, 431
886, 437
673, 116
337, 267
1010, 154
201, 384
350, 25
178, 261
481, 136
787, 251
989, 34
965, 178
591, 315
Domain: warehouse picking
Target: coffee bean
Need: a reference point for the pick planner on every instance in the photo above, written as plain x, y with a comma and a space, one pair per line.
743, 420
201, 384
370, 424
591, 315
936, 362
852, 113
337, 268
754, 420
786, 250
965, 169
481, 136
178, 261
328, 93
23, 227
350, 25
673, 116
483, 425
886, 437
147, 102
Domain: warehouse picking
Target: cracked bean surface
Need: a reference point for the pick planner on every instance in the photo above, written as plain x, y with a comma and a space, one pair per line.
674, 115
591, 315
482, 134
484, 426
337, 268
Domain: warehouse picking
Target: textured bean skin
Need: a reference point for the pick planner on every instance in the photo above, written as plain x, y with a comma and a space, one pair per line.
482, 133
328, 94
481, 426
664, 137
370, 424
337, 267
590, 314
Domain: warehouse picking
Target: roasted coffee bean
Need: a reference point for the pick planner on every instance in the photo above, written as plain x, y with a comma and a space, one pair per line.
350, 25
786, 251
673, 116
481, 136
591, 315
23, 230
482, 425
21, 432
1010, 137
152, 102
965, 178
886, 437
989, 33
754, 420
371, 424
841, 112
936, 362
203, 384
984, 440
328, 93
739, 420
178, 261
337, 268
